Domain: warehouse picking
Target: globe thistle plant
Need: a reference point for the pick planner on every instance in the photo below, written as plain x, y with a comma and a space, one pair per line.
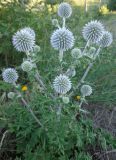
71, 72
93, 31
55, 22
64, 10
65, 100
91, 52
106, 39
11, 95
86, 90
62, 39
35, 49
23, 40
62, 84
31, 31
76, 53
27, 66
10, 75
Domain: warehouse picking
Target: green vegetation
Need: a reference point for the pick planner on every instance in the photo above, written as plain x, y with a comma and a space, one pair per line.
69, 139
112, 5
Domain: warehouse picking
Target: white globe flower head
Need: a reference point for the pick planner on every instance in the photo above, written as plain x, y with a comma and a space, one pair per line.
31, 31
64, 10
93, 31
27, 66
76, 53
86, 90
11, 95
65, 100
62, 39
10, 75
62, 84
23, 40
106, 39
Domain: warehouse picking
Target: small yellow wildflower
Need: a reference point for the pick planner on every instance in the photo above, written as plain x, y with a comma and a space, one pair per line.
24, 88
78, 98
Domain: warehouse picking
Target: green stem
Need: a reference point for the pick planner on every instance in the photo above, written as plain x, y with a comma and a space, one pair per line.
60, 55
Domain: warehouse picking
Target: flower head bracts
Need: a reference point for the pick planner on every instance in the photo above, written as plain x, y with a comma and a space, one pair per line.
86, 90
31, 31
93, 31
10, 75
27, 66
62, 84
64, 10
76, 53
24, 40
106, 39
62, 39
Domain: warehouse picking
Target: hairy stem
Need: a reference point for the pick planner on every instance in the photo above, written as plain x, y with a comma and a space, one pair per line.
64, 22
38, 78
61, 55
87, 44
58, 112
86, 71
3, 137
31, 112
28, 108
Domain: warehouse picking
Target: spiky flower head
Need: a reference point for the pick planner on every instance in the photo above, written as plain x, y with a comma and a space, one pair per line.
71, 72
10, 75
62, 84
62, 39
93, 31
64, 10
30, 30
55, 22
76, 53
27, 66
106, 39
11, 95
23, 40
65, 100
86, 90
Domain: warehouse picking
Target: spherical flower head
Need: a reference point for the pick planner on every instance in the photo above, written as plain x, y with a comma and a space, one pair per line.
11, 95
93, 31
106, 39
71, 72
55, 22
92, 50
64, 10
31, 31
10, 75
76, 53
62, 84
65, 100
86, 90
62, 39
23, 40
27, 66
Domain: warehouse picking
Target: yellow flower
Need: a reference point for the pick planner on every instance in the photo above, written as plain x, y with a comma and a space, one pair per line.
78, 98
24, 88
